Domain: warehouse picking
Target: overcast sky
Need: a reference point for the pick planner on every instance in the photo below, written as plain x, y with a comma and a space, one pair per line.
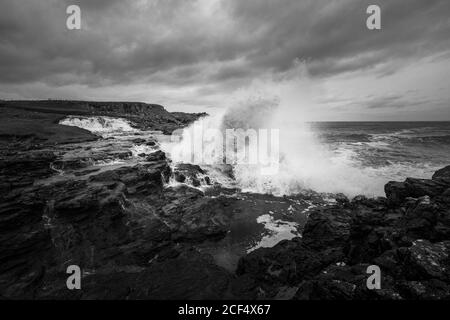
203, 55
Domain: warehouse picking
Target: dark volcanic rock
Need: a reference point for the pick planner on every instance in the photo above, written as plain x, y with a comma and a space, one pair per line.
396, 192
345, 282
139, 141
442, 173
191, 172
24, 243
22, 170
192, 216
196, 182
286, 264
157, 156
406, 235
423, 187
185, 274
179, 177
72, 164
134, 243
425, 260
327, 228
131, 237
140, 179
78, 200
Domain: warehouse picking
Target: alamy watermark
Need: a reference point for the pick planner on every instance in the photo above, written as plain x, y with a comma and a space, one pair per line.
374, 280
230, 146
373, 22
73, 21
73, 282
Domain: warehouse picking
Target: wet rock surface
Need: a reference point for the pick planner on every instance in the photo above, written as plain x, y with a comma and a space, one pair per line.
123, 226
192, 174
136, 238
96, 204
405, 234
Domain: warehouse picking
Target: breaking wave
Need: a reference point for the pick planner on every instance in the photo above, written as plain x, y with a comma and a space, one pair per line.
99, 124
355, 158
304, 162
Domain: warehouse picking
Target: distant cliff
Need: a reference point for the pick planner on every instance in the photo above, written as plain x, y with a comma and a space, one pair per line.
143, 115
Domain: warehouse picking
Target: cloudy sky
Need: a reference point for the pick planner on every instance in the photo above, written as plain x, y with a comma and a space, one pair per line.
205, 55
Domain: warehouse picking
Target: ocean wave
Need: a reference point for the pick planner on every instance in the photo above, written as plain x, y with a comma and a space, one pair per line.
304, 164
103, 126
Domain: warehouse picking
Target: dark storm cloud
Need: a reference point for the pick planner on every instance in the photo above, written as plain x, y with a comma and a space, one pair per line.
174, 42
332, 35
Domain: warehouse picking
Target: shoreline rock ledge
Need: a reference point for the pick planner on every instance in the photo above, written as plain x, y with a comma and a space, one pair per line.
406, 234
137, 239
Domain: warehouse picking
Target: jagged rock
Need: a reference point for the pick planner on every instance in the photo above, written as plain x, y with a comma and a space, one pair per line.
190, 215
179, 177
425, 290
24, 243
359, 198
111, 222
190, 169
442, 173
286, 264
423, 187
427, 218
138, 141
21, 170
372, 231
192, 172
196, 182
397, 192
336, 282
80, 201
140, 179
425, 260
342, 199
72, 164
156, 156
339, 242
327, 227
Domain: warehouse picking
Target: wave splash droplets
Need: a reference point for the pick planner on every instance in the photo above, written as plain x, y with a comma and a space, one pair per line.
304, 162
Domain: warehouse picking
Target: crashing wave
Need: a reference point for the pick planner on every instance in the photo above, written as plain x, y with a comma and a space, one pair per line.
99, 124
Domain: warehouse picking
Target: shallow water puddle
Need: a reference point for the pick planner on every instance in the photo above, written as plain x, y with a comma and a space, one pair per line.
276, 231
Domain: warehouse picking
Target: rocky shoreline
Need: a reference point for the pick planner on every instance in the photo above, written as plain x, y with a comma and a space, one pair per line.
137, 237
406, 234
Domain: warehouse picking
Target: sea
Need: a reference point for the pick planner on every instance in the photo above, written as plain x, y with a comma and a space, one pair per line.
392, 150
